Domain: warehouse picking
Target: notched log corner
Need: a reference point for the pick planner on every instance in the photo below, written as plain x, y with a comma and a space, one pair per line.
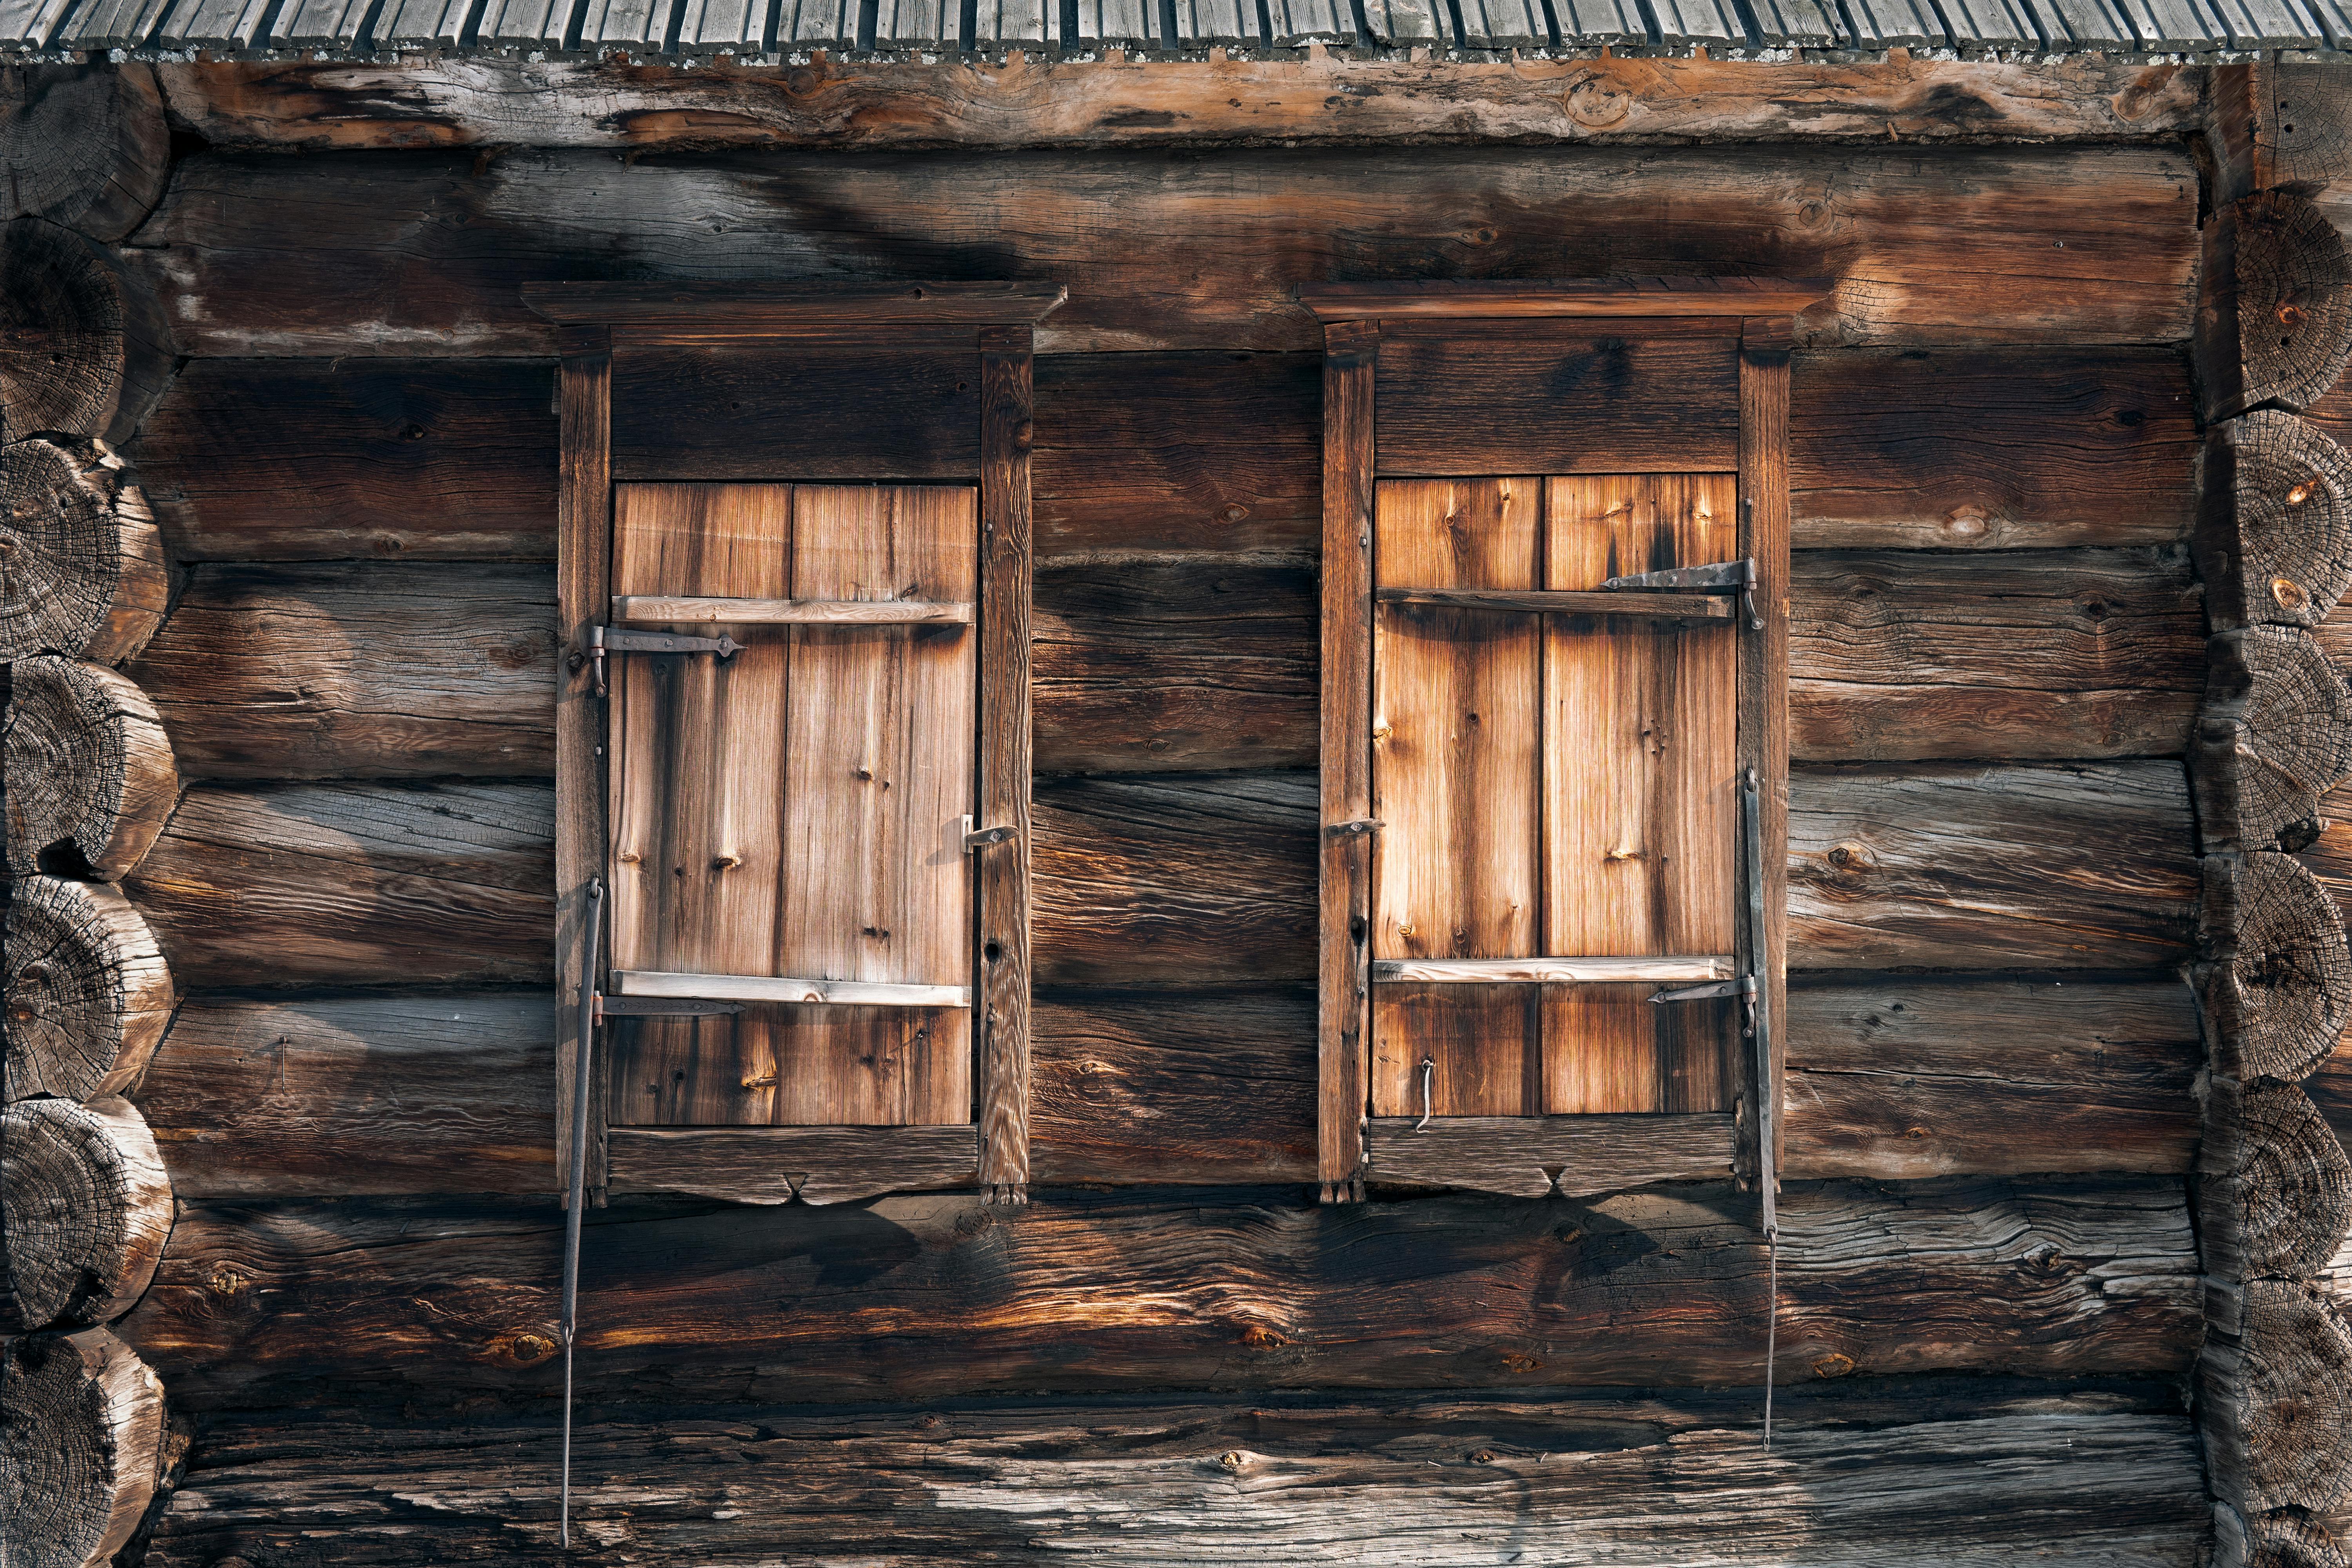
2274, 538
2275, 1198
85, 1206
2275, 323
2275, 1392
85, 349
85, 572
2277, 980
88, 992
81, 1446
2276, 734
83, 146
90, 771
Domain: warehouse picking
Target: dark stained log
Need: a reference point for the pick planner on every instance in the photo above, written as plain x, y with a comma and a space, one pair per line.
84, 346
1537, 1156
2274, 1388
2079, 654
2274, 542
81, 1433
2018, 867
88, 991
332, 1095
86, 575
85, 146
713, 413
88, 770
2301, 133
2274, 324
2276, 1193
2276, 734
1168, 1087
1908, 1078
336, 459
2277, 985
785, 1165
1968, 450
1235, 1287
408, 253
1183, 664
1975, 1473
1039, 101
354, 884
359, 670
84, 1210
2287, 1539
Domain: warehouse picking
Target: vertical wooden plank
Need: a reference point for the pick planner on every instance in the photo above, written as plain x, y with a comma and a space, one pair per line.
1007, 431
1456, 714
1641, 809
1343, 977
1764, 663
584, 557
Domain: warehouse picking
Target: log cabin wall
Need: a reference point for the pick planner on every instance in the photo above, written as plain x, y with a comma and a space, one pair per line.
1991, 1300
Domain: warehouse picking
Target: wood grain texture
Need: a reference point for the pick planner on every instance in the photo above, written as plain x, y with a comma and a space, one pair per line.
87, 577
1766, 736
88, 770
1343, 860
2274, 541
86, 146
354, 884
412, 253
358, 671
87, 1207
2092, 1474
583, 592
2275, 325
2274, 737
1537, 1156
86, 346
88, 992
787, 1164
1245, 1289
709, 414
1006, 897
2271, 1391
2277, 980
81, 1425
2275, 1193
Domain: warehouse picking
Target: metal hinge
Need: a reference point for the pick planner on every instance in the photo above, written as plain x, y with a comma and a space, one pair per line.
983, 837
1355, 829
605, 1008
1742, 986
1714, 577
603, 640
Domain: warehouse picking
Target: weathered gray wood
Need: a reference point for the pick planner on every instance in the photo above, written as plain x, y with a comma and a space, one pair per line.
1538, 1156
1295, 24
2278, 986
2272, 1390
85, 1206
88, 770
86, 146
2275, 1198
1971, 1473
1711, 24
1401, 23
997, 24
1991, 25
525, 25
2273, 540
88, 991
86, 571
320, 24
1241, 1289
421, 24
29, 25
225, 28
1116, 24
781, 1164
1795, 24
81, 1430
1894, 23
2083, 25
1505, 23
2274, 735
738, 27
97, 24
2170, 26
2275, 325
1593, 23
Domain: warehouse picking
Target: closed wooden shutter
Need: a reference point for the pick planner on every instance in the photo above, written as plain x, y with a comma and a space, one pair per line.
795, 811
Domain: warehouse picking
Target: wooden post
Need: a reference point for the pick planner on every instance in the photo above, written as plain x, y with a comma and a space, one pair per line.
1765, 347
1007, 432
1344, 855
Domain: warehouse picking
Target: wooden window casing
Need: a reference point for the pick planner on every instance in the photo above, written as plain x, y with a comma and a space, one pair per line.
1491, 453
878, 576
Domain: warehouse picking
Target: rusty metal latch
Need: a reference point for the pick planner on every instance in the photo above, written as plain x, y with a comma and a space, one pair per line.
1355, 829
983, 837
1713, 577
603, 640
1744, 987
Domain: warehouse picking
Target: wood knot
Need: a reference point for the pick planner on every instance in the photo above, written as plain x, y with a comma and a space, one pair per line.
1482, 1456
1236, 512
1914, 1132
226, 1280
725, 862
2299, 494
1258, 1337
1970, 521
1850, 861
1833, 1365
1518, 1361
530, 1348
1232, 1459
928, 1422
2288, 594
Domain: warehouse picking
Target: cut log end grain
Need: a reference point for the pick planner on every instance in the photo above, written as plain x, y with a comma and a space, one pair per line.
2288, 1539
2275, 734
2277, 1196
84, 1207
2277, 1399
81, 560
2305, 122
86, 146
88, 991
90, 771
2278, 319
2278, 986
81, 1431
2274, 542
83, 350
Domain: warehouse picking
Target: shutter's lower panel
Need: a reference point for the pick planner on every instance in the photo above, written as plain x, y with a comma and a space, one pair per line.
776, 1165
1518, 1155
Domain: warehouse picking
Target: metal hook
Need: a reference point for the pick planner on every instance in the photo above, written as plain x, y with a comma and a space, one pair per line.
1428, 1075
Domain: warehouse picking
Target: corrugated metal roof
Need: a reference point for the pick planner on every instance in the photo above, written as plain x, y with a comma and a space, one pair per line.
776, 29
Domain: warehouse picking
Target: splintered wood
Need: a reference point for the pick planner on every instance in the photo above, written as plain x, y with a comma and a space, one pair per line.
796, 810
1550, 785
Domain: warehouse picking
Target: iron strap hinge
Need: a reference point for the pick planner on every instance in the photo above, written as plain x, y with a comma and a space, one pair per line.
1713, 577
603, 640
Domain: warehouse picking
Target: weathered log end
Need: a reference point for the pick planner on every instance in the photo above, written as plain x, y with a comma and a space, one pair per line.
2276, 1197
2275, 324
2287, 1539
89, 770
88, 992
84, 1207
2273, 538
86, 572
2275, 1392
2275, 734
84, 351
2306, 124
81, 1441
86, 146
2277, 985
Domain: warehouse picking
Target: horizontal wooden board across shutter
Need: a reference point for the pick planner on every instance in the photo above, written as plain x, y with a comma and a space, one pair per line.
797, 809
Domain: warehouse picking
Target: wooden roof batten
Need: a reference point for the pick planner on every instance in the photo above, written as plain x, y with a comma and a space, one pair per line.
1733, 296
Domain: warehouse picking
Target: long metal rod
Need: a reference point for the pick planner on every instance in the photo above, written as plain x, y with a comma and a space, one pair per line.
576, 1188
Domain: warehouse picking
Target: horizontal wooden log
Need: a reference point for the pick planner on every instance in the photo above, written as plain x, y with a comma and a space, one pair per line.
85, 345
713, 413
2274, 541
1973, 1474
1911, 1077
2277, 323
86, 146
88, 992
355, 884
2273, 736
90, 771
2273, 1391
359, 670
1538, 1156
2275, 1195
784, 1165
415, 252
86, 1207
87, 573
1037, 101
1243, 1290
2277, 988
82, 1433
